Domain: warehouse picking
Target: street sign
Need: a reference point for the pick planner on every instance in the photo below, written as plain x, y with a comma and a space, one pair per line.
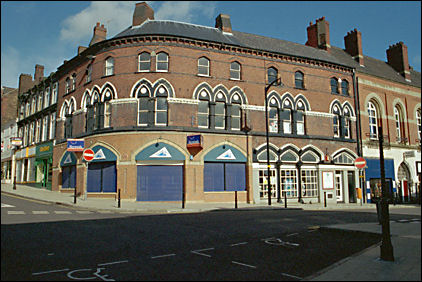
75, 145
88, 155
360, 162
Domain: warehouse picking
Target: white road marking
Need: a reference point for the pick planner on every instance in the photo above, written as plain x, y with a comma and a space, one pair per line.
84, 212
6, 206
40, 212
51, 271
243, 264
292, 234
163, 256
238, 244
291, 276
114, 262
105, 211
201, 254
15, 212
62, 212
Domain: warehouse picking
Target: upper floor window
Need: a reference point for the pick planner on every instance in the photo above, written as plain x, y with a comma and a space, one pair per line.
334, 85
22, 111
162, 62
52, 125
203, 109
161, 106
345, 87
220, 115
109, 66
419, 123
203, 66
398, 116
54, 93
273, 116
336, 121
235, 71
89, 73
38, 131
28, 109
67, 85
73, 81
373, 120
143, 105
45, 129
47, 97
236, 113
31, 133
144, 60
299, 80
272, 74
34, 105
39, 104
286, 116
300, 122
347, 124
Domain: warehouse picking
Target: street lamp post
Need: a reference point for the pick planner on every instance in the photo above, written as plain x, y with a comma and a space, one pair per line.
274, 82
386, 246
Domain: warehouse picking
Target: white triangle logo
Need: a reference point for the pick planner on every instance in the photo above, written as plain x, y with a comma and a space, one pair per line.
99, 155
68, 159
162, 153
227, 155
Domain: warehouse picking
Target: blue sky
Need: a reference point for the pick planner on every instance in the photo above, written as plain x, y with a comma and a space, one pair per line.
47, 33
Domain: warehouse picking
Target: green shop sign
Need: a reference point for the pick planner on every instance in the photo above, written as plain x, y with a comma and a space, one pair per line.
45, 149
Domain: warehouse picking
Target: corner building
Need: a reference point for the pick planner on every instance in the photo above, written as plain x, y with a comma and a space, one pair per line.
140, 98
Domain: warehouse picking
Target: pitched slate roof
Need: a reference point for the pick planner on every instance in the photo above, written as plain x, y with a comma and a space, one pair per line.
242, 39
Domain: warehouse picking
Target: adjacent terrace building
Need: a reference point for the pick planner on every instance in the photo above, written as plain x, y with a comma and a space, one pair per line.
140, 98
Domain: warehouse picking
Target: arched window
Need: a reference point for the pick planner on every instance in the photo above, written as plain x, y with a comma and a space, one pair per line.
398, 116
203, 66
109, 66
161, 106
299, 80
336, 121
419, 124
236, 112
144, 61
373, 120
286, 116
203, 109
334, 85
300, 117
162, 62
273, 116
39, 104
347, 123
272, 74
345, 87
67, 85
143, 96
220, 111
89, 73
235, 71
34, 105
47, 97
73, 81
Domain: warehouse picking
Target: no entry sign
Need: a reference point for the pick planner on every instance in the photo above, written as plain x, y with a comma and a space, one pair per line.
360, 162
88, 155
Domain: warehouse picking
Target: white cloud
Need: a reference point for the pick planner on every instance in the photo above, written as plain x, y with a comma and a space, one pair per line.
186, 11
11, 65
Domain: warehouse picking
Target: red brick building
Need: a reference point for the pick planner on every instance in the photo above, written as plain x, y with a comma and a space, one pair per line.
176, 112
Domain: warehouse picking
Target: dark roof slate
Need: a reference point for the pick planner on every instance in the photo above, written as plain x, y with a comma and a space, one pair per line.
337, 56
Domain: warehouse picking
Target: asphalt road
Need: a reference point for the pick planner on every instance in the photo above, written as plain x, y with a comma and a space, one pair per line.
218, 245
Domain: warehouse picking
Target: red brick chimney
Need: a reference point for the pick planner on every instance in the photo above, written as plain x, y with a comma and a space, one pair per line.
142, 12
25, 83
223, 23
319, 34
398, 60
353, 44
39, 73
100, 33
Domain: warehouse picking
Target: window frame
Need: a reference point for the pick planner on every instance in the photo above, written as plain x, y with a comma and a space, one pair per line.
144, 61
221, 115
373, 116
345, 87
334, 85
47, 97
299, 80
233, 71
166, 62
205, 67
419, 123
271, 75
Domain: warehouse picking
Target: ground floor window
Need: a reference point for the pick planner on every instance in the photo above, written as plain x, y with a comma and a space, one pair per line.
222, 176
263, 183
102, 177
69, 176
309, 178
288, 182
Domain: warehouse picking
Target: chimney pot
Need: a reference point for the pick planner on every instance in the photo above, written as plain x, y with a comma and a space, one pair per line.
100, 33
223, 23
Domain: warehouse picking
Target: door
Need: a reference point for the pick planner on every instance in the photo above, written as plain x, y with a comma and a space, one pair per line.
102, 177
405, 191
339, 186
352, 186
159, 183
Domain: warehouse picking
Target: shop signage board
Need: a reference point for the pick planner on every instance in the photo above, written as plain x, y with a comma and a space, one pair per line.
75, 145
194, 141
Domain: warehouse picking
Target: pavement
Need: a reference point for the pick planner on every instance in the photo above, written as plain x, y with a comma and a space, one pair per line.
363, 266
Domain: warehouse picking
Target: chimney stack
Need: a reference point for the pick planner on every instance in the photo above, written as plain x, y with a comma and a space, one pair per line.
398, 60
319, 34
223, 23
39, 73
25, 83
142, 12
353, 44
100, 33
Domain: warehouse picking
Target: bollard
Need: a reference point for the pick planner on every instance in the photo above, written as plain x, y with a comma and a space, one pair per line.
325, 200
118, 199
235, 199
74, 197
285, 200
14, 182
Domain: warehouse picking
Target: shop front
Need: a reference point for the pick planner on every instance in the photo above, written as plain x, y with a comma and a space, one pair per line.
373, 179
43, 165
